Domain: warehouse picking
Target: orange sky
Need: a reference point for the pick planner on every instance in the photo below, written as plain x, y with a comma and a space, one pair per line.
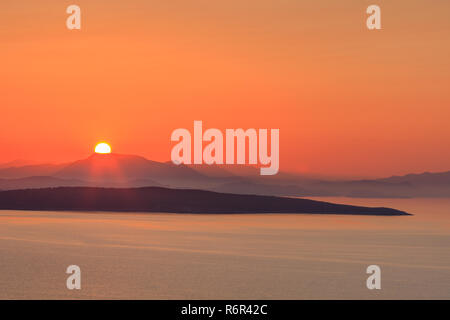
348, 101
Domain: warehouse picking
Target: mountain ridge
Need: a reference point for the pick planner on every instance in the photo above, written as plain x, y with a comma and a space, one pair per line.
117, 170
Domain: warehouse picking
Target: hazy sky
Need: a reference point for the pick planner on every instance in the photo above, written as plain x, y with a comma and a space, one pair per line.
347, 101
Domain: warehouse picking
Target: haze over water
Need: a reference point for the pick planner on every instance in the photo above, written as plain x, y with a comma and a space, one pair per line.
270, 256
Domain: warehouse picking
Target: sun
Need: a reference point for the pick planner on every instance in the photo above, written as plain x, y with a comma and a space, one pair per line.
102, 148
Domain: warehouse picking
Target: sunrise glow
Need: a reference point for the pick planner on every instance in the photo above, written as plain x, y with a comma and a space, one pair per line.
102, 148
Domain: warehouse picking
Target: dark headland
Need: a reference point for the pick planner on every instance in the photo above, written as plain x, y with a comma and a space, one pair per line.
156, 199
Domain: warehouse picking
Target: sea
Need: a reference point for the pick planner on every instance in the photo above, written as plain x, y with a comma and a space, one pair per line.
228, 256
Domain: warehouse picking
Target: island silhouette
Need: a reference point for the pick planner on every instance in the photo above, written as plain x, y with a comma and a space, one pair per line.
157, 199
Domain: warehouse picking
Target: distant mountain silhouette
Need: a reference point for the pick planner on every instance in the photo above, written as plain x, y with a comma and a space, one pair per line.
408, 186
16, 163
155, 199
48, 182
116, 170
412, 185
426, 178
226, 171
251, 187
16, 172
38, 182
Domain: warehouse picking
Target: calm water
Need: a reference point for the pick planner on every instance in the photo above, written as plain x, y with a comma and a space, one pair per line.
181, 256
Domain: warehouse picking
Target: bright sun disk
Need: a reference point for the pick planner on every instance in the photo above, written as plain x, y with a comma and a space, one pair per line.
102, 148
